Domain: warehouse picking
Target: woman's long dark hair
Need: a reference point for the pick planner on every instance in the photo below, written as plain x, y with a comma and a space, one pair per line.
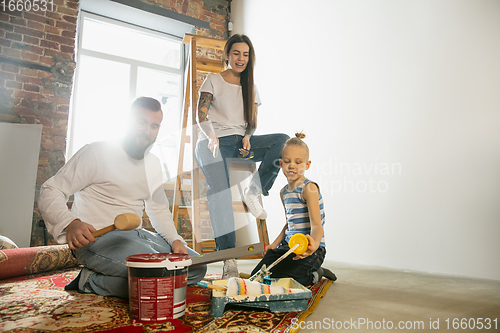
246, 79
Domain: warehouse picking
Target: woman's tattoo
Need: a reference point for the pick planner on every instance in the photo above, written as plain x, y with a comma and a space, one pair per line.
251, 131
203, 107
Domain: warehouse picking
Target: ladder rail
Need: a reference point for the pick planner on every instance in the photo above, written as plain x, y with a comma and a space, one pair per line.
198, 207
195, 176
182, 144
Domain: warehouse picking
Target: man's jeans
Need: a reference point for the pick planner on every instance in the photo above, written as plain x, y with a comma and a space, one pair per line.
266, 148
107, 257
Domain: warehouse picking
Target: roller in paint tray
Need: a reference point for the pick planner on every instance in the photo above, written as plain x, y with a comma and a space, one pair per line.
274, 302
239, 286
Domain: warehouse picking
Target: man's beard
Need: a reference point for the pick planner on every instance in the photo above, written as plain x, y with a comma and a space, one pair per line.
135, 150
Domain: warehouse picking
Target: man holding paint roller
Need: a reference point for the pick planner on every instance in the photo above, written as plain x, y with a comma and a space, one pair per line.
109, 179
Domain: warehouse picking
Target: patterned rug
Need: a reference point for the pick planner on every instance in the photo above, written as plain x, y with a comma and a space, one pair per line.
39, 303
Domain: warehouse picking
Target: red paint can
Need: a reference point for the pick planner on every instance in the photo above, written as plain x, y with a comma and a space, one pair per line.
157, 285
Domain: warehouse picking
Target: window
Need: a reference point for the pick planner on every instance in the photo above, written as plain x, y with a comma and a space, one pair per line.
117, 62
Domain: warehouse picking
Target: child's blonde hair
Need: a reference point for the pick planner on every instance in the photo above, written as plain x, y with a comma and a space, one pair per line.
297, 141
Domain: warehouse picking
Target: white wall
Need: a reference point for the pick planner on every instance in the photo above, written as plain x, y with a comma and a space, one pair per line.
400, 103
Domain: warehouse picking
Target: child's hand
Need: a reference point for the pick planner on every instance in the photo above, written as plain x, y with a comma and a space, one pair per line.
311, 248
273, 245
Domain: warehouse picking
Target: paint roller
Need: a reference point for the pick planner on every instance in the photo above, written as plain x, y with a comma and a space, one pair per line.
239, 286
298, 244
125, 221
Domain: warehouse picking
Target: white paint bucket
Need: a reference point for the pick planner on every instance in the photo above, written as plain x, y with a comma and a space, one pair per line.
157, 285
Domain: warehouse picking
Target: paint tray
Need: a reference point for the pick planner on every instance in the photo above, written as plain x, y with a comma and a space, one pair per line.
274, 303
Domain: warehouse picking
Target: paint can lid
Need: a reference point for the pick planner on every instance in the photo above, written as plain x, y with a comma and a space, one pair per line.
170, 261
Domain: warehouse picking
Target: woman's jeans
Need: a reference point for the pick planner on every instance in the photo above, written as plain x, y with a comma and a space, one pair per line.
107, 257
267, 150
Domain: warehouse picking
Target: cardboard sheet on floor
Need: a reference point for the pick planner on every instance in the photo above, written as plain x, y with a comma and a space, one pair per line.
19, 150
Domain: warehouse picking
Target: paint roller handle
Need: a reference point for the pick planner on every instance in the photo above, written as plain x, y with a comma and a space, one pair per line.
103, 231
259, 276
265, 271
125, 221
298, 244
212, 286
283, 256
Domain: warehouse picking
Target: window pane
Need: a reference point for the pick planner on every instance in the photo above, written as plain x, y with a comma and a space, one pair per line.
102, 101
117, 40
166, 88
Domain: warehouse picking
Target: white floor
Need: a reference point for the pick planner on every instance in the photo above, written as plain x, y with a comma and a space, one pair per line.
368, 299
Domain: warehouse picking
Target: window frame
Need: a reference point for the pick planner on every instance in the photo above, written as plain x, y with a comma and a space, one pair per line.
134, 65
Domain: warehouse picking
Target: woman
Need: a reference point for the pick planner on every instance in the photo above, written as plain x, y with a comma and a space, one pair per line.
227, 118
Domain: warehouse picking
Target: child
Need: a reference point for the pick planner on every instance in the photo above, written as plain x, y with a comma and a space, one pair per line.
304, 214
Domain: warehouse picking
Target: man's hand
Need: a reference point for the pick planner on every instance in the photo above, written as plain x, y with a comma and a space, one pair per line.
178, 247
79, 234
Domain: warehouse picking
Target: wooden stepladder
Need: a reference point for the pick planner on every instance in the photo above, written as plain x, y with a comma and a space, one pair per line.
199, 206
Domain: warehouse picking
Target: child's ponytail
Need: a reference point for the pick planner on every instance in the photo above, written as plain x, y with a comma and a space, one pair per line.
300, 135
297, 141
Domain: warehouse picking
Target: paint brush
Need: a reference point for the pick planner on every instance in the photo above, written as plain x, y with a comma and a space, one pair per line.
212, 286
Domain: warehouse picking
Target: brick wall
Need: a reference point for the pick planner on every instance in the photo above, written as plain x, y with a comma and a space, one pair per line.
37, 62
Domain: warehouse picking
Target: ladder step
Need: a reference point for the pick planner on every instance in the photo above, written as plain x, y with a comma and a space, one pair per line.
209, 66
238, 207
171, 187
186, 210
203, 41
185, 175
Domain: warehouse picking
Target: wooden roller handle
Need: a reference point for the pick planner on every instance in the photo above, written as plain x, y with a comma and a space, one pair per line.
102, 231
125, 221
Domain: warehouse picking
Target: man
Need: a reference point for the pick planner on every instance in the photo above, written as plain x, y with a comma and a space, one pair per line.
108, 179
